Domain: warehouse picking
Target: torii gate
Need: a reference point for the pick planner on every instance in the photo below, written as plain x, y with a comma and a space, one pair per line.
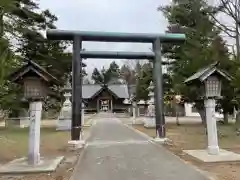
78, 54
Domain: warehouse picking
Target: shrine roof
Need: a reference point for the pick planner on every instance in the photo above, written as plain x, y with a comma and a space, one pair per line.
90, 90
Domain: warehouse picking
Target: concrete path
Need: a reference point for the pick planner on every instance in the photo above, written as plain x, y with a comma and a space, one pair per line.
115, 152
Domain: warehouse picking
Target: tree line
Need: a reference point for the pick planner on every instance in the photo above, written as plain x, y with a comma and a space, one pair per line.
22, 23
207, 42
22, 28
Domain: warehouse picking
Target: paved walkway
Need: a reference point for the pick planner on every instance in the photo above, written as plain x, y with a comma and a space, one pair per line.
115, 152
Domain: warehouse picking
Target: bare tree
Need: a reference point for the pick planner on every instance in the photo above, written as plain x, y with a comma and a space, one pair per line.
128, 73
229, 9
132, 63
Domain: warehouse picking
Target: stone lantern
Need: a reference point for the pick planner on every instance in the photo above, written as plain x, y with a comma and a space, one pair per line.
35, 81
65, 117
209, 82
34, 88
150, 121
151, 93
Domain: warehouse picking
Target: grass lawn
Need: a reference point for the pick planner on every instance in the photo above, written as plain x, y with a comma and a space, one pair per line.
192, 136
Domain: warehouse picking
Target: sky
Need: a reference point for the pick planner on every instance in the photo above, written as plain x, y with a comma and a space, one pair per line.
133, 16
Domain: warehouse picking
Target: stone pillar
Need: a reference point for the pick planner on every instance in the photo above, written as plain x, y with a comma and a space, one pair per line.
213, 147
34, 132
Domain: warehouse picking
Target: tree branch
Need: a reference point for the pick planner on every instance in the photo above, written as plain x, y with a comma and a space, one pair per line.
223, 27
231, 9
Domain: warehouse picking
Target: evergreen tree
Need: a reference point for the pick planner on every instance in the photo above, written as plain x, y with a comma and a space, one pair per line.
145, 76
97, 77
200, 48
128, 74
21, 22
106, 76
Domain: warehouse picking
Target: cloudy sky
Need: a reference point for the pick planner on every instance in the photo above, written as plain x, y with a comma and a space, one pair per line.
140, 16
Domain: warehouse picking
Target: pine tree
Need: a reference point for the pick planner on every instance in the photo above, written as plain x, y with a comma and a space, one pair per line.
21, 24
200, 49
106, 76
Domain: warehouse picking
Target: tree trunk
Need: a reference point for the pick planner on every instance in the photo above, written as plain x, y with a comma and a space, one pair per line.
237, 122
225, 118
1, 22
237, 44
202, 113
234, 112
237, 38
177, 114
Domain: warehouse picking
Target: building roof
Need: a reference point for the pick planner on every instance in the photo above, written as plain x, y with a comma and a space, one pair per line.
89, 90
205, 72
121, 90
32, 68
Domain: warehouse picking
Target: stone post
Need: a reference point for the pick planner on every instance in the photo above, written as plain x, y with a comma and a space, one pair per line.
213, 147
34, 132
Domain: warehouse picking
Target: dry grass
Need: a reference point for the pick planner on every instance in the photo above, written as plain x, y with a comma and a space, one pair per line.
52, 122
192, 136
14, 144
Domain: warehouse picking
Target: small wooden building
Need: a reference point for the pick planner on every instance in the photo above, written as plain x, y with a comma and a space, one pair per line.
105, 98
